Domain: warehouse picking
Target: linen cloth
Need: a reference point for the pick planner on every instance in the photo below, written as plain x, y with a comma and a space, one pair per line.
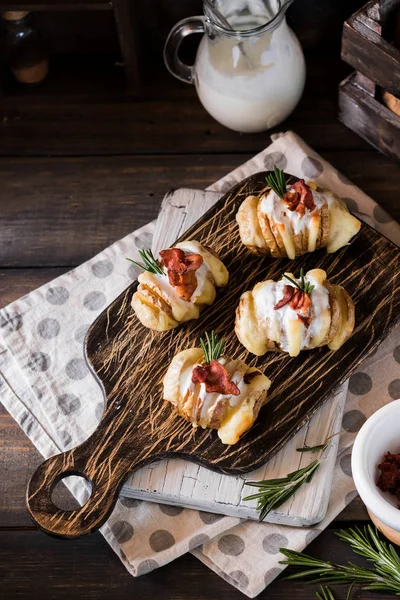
47, 387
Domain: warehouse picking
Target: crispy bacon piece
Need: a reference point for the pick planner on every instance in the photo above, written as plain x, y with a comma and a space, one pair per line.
305, 320
287, 296
249, 376
216, 378
184, 283
389, 478
300, 199
300, 301
181, 270
177, 261
297, 299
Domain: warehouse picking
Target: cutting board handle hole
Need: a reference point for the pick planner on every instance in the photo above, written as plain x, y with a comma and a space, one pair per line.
63, 498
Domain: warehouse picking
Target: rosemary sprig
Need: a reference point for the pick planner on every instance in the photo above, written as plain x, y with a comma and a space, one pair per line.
212, 348
348, 595
277, 182
151, 264
321, 447
325, 593
384, 576
304, 286
272, 493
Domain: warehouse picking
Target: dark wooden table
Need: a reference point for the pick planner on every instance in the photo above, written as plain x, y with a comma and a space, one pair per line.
75, 175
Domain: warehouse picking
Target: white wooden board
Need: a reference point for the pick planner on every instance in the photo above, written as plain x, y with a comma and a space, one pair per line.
182, 483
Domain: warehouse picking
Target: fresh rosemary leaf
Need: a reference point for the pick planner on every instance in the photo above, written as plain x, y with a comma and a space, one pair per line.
272, 493
325, 593
312, 449
151, 264
292, 281
320, 447
276, 181
384, 576
348, 595
212, 347
304, 286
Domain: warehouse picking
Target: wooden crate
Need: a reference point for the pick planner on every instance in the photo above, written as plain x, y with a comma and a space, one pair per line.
377, 63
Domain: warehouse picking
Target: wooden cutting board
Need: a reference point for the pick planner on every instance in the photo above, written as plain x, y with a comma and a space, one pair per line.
183, 483
130, 361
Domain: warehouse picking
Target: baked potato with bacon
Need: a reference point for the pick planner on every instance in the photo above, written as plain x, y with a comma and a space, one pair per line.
173, 288
215, 391
291, 219
294, 314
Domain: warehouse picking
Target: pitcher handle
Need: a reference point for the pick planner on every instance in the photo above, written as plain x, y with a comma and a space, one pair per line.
171, 49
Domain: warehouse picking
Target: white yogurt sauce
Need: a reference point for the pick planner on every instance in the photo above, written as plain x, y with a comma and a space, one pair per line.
268, 295
277, 210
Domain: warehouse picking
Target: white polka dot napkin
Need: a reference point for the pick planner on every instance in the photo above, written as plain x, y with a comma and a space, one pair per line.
47, 387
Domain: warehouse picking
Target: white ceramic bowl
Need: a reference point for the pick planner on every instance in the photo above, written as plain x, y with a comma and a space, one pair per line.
379, 434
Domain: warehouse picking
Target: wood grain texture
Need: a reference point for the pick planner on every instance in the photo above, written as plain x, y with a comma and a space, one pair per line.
15, 283
171, 116
55, 5
368, 117
127, 25
377, 63
38, 567
181, 483
62, 211
366, 50
130, 361
41, 568
19, 458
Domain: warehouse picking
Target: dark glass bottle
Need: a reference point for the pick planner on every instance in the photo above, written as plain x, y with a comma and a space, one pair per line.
26, 55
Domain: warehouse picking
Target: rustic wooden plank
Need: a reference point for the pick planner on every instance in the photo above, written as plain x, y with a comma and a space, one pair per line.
19, 459
180, 483
215, 492
43, 568
60, 212
38, 5
153, 431
76, 207
15, 283
369, 118
366, 51
127, 23
150, 127
105, 124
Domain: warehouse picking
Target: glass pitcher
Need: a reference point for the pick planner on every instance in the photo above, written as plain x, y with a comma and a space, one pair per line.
249, 70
